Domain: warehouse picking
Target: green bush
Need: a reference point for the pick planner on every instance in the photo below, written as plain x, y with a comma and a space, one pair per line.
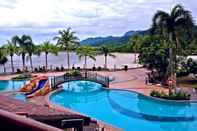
173, 96
23, 76
182, 72
73, 73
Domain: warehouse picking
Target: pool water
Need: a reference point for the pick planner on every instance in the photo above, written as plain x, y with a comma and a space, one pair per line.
19, 96
127, 110
11, 85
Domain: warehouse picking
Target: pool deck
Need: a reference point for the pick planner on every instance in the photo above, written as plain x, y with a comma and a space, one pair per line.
133, 79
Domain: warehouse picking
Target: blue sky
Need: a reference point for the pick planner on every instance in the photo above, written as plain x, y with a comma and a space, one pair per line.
88, 18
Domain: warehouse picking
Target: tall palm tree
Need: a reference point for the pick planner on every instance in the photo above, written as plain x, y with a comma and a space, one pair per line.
3, 58
86, 51
171, 26
104, 50
135, 40
32, 50
23, 42
47, 48
11, 49
67, 41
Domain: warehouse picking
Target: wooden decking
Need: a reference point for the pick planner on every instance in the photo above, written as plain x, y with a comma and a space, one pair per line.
41, 113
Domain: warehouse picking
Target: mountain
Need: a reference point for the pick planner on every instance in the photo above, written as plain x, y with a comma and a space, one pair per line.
97, 41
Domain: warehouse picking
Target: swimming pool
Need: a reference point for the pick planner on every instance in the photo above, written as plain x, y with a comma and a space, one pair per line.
126, 110
11, 85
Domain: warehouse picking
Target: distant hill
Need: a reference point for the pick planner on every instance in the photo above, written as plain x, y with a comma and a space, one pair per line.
97, 41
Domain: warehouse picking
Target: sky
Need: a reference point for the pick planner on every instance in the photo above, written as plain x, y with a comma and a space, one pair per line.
88, 18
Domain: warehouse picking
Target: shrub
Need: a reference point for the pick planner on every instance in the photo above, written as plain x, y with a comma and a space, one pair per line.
57, 69
73, 73
182, 72
99, 68
125, 67
173, 96
23, 76
18, 71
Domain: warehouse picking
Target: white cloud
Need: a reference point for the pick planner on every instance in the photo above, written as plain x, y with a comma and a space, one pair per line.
86, 17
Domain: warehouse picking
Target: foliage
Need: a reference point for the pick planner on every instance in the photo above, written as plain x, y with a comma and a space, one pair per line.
11, 49
173, 96
86, 51
3, 58
23, 76
106, 52
47, 48
154, 54
67, 41
73, 73
24, 42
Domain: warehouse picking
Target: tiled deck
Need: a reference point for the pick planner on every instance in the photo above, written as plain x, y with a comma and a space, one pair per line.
37, 112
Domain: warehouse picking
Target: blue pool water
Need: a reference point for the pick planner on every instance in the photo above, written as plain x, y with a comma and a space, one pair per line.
11, 85
19, 96
127, 110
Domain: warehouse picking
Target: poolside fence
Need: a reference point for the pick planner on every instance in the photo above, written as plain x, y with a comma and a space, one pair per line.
90, 76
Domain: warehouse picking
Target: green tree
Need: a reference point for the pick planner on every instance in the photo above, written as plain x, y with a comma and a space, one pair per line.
135, 40
104, 50
67, 41
172, 26
23, 42
154, 55
47, 48
86, 51
11, 49
3, 58
32, 50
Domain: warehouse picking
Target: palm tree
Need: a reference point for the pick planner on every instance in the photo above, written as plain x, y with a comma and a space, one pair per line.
171, 26
11, 49
86, 51
104, 50
47, 48
32, 50
135, 40
67, 41
23, 43
3, 58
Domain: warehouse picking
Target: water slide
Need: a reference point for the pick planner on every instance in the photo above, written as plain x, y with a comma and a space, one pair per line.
38, 86
41, 84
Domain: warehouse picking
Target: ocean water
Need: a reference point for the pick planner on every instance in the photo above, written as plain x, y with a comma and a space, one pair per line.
61, 60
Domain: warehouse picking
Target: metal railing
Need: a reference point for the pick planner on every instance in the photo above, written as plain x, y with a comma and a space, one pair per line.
90, 76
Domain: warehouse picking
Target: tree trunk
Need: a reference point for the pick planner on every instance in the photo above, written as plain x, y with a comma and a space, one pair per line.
171, 64
31, 64
4, 69
68, 60
23, 60
105, 62
135, 53
85, 64
12, 65
46, 60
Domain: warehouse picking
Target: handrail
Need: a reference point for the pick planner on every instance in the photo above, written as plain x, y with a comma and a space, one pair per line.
104, 80
11, 121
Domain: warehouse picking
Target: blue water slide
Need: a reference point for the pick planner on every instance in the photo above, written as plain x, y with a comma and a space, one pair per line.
40, 85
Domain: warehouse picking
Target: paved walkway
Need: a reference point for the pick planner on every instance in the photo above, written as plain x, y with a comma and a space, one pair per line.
132, 80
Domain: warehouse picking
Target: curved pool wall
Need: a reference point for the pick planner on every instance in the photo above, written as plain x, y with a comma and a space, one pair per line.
125, 109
